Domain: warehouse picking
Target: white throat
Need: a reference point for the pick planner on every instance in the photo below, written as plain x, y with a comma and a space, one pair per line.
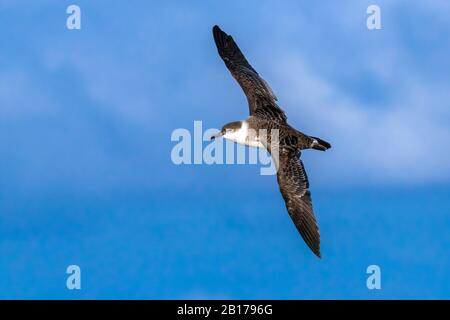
242, 136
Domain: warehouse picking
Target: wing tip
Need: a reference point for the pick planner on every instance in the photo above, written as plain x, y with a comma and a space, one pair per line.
317, 253
313, 242
218, 33
219, 37
314, 245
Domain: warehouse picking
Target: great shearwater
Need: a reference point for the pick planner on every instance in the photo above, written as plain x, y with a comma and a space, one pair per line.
266, 116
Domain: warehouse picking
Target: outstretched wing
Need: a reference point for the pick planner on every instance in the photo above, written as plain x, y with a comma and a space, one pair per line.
261, 100
294, 185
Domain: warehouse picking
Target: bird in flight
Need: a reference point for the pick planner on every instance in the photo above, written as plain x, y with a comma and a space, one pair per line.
266, 117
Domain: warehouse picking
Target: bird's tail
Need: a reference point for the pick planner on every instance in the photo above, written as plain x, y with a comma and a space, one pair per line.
319, 144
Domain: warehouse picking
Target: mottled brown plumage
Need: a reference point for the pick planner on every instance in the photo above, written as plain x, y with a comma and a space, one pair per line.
267, 115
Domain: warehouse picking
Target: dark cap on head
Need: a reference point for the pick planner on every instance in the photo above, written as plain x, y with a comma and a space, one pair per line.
235, 125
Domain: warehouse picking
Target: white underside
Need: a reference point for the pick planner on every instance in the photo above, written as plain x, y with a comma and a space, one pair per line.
241, 136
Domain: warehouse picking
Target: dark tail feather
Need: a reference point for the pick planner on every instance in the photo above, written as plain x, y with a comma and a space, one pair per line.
321, 145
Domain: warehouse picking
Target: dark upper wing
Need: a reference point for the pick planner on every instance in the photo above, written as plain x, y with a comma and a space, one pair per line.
261, 100
294, 185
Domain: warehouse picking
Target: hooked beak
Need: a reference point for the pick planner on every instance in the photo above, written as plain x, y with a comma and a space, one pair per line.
217, 135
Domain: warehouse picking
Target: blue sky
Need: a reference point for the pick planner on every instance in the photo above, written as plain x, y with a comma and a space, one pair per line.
86, 176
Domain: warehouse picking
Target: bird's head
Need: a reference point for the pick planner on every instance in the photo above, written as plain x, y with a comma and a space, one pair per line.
228, 130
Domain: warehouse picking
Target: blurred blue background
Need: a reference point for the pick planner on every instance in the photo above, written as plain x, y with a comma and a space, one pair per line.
86, 176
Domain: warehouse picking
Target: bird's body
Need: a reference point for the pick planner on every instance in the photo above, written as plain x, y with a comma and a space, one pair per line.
255, 132
267, 127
